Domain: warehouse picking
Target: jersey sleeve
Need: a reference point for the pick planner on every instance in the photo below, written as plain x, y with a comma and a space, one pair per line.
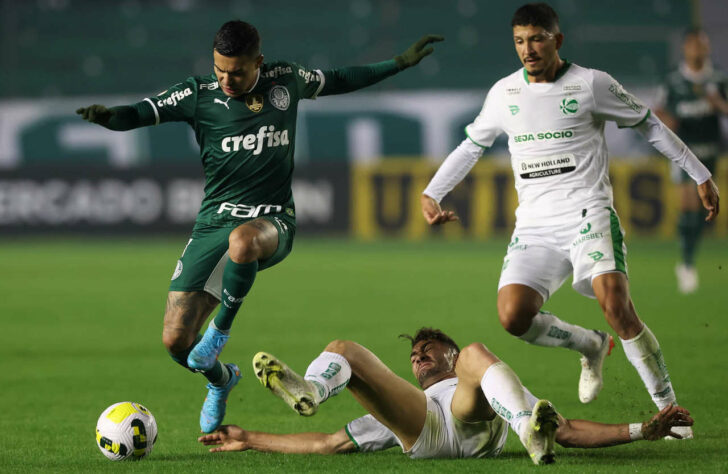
369, 435
486, 126
613, 103
309, 82
176, 104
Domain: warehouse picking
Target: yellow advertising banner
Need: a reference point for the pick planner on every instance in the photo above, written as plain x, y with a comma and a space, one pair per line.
385, 199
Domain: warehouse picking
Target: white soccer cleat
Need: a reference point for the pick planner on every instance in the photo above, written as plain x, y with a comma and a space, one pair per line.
687, 278
685, 431
591, 381
285, 383
540, 434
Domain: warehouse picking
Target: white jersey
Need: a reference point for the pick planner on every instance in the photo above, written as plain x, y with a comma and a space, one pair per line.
556, 139
443, 436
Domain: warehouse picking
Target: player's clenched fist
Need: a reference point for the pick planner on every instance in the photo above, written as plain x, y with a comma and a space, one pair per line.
434, 215
95, 113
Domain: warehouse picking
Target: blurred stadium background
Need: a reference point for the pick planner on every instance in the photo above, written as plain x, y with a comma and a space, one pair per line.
362, 158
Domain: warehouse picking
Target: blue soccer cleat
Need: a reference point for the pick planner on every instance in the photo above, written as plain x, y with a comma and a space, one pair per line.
205, 352
213, 410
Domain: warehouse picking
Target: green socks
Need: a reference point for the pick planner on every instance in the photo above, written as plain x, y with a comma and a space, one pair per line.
237, 279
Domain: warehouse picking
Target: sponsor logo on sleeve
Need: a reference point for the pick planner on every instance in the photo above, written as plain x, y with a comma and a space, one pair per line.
621, 94
279, 97
211, 86
309, 76
174, 98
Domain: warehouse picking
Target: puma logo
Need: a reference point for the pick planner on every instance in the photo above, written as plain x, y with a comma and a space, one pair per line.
225, 103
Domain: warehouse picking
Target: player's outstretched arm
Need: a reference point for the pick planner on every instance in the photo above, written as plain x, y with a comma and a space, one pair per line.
710, 198
434, 215
414, 54
120, 118
590, 434
234, 438
348, 79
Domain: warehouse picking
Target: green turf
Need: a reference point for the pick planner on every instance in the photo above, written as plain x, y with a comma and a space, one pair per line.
81, 327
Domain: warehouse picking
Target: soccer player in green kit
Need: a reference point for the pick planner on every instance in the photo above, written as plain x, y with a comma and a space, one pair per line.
244, 118
691, 103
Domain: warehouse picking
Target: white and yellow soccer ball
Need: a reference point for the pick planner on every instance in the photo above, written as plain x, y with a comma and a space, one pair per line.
126, 430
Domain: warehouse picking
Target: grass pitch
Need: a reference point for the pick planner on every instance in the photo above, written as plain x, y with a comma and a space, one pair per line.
81, 329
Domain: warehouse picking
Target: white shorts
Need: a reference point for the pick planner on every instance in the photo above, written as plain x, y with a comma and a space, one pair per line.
542, 258
444, 436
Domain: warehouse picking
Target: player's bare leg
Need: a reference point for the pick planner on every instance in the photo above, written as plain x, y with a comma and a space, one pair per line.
519, 310
248, 243
640, 345
389, 398
488, 387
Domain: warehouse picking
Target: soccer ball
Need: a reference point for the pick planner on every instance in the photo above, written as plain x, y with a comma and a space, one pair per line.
126, 430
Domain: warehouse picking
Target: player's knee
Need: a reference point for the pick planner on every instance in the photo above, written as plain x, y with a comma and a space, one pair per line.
177, 341
243, 246
515, 316
475, 356
338, 346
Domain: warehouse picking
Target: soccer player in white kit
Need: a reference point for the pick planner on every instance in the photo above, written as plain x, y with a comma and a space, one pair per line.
554, 114
465, 401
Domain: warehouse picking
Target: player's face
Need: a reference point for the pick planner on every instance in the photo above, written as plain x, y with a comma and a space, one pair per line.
696, 48
537, 48
236, 74
431, 362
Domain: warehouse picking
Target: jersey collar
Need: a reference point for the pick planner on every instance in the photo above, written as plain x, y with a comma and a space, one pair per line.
558, 75
257, 78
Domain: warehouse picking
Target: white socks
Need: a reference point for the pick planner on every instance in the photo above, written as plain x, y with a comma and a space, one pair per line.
643, 351
506, 396
328, 373
548, 330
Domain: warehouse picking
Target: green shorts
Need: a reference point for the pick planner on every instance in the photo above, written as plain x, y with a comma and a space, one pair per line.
680, 176
203, 260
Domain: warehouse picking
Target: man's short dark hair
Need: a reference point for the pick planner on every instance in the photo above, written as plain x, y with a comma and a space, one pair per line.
537, 14
237, 38
693, 31
431, 334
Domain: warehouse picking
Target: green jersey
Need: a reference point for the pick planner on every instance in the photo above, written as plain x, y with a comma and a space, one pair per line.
684, 96
246, 143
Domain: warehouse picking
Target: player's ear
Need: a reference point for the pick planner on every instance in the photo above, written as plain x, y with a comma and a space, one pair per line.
258, 61
559, 40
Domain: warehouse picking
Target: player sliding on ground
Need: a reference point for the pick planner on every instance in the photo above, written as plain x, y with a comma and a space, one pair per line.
554, 114
244, 118
466, 402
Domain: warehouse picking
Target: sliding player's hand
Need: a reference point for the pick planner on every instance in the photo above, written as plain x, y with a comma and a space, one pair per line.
95, 114
710, 198
226, 438
434, 215
662, 423
417, 51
